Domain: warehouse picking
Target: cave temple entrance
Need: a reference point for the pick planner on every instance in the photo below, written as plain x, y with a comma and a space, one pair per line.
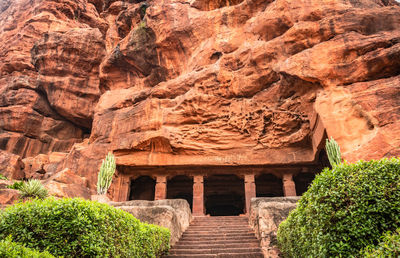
214, 191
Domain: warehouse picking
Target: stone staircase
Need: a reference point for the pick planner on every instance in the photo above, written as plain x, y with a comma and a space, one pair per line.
222, 237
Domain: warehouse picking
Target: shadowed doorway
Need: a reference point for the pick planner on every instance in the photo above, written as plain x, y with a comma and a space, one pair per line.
142, 188
180, 187
302, 181
224, 195
268, 185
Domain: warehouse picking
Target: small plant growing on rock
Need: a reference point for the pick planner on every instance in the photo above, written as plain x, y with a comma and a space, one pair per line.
106, 173
333, 151
16, 185
33, 189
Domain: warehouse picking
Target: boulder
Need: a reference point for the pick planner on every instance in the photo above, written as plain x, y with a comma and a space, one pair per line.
8, 196
34, 166
43, 166
67, 184
173, 214
265, 215
11, 165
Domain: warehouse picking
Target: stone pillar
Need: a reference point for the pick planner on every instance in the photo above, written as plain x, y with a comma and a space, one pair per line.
198, 195
161, 188
122, 193
289, 188
249, 190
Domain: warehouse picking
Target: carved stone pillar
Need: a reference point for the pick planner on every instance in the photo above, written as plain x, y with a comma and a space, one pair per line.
289, 188
161, 188
122, 191
198, 195
249, 189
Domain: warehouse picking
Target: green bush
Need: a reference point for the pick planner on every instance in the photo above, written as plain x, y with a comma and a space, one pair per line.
33, 189
344, 210
3, 177
16, 186
80, 228
11, 249
389, 247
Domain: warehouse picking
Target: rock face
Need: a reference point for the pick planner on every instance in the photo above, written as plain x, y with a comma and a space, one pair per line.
198, 82
68, 184
172, 214
265, 216
11, 165
7, 196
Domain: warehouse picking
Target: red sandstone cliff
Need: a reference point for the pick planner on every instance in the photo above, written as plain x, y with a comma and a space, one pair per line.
201, 82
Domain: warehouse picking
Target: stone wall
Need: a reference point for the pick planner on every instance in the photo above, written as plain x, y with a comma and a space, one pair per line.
172, 214
265, 215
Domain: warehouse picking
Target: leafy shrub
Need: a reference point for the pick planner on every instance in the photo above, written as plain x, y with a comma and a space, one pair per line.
344, 210
106, 173
389, 247
81, 228
16, 186
3, 177
11, 249
33, 189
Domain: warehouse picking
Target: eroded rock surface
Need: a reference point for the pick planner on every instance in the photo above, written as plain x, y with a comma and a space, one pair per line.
198, 82
11, 165
67, 183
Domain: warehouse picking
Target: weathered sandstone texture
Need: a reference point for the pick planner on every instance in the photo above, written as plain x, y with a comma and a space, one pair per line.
172, 214
68, 184
11, 165
7, 196
265, 216
196, 83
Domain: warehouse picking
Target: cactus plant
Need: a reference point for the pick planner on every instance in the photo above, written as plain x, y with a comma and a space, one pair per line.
106, 173
333, 151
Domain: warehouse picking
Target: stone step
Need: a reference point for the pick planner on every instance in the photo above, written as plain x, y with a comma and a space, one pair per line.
207, 234
219, 231
221, 217
216, 237
216, 251
208, 227
193, 229
228, 255
218, 225
224, 241
214, 246
222, 221
245, 219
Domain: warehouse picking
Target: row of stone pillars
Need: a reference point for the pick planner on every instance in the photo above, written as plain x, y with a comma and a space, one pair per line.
289, 189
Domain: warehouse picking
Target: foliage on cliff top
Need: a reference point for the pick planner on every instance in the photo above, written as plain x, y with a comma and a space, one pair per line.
345, 209
81, 228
